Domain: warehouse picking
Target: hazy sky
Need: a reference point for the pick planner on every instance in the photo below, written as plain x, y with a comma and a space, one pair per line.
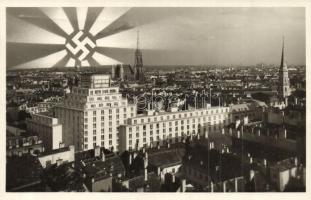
224, 36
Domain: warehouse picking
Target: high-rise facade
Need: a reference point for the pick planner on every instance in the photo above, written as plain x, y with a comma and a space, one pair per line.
92, 113
284, 85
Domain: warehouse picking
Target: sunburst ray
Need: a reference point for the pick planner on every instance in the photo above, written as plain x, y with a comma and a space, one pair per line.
105, 60
106, 17
37, 17
92, 15
44, 62
81, 13
20, 32
71, 13
18, 53
93, 62
59, 17
71, 63
62, 62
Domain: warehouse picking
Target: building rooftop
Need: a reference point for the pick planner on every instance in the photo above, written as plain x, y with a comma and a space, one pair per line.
166, 157
21, 172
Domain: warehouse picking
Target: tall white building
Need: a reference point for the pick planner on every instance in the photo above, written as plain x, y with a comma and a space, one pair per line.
158, 128
92, 113
47, 128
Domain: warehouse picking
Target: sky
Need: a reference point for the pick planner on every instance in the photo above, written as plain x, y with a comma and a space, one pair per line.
36, 37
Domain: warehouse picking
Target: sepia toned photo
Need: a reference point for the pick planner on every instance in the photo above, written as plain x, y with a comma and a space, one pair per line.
155, 99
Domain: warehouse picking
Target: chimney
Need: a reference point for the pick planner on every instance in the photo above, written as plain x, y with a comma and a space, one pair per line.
134, 155
145, 174
246, 120
183, 185
130, 159
103, 157
61, 145
236, 189
251, 175
31, 151
145, 163
224, 186
206, 134
59, 162
96, 151
173, 178
159, 171
284, 133
237, 123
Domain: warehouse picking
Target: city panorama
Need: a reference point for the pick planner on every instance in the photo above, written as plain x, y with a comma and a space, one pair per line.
155, 99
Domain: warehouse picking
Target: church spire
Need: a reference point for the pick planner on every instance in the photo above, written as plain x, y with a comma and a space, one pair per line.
137, 47
284, 87
283, 62
138, 65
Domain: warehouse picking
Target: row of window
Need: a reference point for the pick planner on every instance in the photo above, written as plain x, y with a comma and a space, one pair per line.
102, 112
169, 117
106, 98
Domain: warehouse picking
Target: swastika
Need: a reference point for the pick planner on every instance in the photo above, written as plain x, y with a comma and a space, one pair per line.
80, 46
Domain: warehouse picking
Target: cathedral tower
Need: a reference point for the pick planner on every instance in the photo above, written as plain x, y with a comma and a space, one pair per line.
138, 66
284, 86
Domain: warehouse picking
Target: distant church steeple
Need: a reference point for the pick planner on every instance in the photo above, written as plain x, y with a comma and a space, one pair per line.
284, 86
138, 64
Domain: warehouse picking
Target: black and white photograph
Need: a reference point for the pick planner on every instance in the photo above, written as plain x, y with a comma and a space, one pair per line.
155, 99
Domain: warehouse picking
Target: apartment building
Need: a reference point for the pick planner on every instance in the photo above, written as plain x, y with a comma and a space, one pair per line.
92, 112
47, 128
153, 128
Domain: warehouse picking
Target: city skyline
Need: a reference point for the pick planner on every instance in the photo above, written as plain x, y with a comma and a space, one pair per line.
193, 36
